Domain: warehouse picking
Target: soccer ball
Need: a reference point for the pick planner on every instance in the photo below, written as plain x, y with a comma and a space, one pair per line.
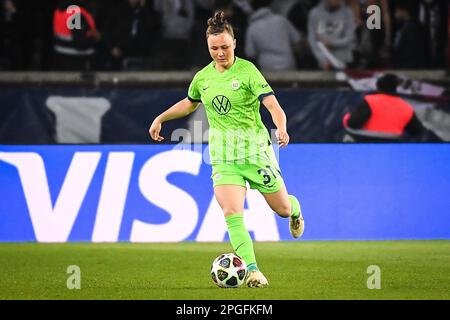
228, 271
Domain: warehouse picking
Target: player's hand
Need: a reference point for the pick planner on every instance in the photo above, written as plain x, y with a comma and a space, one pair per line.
155, 129
282, 138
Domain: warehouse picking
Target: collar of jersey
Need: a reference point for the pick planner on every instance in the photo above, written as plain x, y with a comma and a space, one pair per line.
213, 64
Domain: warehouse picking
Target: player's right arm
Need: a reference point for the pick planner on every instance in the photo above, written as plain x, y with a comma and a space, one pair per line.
179, 110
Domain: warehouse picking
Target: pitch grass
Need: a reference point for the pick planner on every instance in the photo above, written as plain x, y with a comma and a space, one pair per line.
296, 270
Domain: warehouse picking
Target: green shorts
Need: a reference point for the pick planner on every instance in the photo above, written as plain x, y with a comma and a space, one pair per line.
261, 171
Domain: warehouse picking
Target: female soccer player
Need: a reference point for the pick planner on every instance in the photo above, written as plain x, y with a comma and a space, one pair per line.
231, 90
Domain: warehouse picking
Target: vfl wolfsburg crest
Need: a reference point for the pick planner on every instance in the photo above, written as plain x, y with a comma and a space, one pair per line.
221, 104
235, 85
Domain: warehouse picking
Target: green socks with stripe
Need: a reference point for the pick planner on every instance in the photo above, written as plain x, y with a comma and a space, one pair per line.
295, 206
240, 240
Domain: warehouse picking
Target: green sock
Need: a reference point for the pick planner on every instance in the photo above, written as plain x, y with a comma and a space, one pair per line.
295, 206
240, 240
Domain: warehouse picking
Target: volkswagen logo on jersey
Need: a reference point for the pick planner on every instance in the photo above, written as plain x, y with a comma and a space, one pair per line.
221, 104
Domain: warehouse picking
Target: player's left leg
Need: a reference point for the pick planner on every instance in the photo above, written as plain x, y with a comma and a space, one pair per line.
286, 205
264, 174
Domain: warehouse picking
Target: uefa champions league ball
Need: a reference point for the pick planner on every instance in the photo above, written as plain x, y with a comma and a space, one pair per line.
228, 271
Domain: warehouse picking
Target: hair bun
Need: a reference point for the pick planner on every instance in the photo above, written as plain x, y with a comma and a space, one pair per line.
218, 24
218, 19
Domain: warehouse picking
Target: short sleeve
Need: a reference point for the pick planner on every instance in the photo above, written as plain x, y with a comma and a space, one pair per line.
193, 91
259, 85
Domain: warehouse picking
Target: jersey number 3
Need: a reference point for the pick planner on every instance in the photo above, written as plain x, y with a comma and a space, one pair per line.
267, 177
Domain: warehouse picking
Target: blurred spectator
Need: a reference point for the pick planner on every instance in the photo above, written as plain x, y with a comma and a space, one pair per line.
332, 23
433, 16
271, 39
383, 116
132, 26
409, 48
174, 49
414, 33
74, 47
374, 45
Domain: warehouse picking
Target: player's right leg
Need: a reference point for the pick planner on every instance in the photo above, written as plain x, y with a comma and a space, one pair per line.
231, 196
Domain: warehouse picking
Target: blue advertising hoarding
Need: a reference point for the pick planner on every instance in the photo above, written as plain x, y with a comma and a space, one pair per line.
163, 193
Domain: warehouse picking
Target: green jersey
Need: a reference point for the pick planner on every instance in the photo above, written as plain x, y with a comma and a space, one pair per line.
232, 100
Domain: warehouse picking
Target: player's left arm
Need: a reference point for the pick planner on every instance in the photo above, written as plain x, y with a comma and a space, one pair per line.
278, 118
